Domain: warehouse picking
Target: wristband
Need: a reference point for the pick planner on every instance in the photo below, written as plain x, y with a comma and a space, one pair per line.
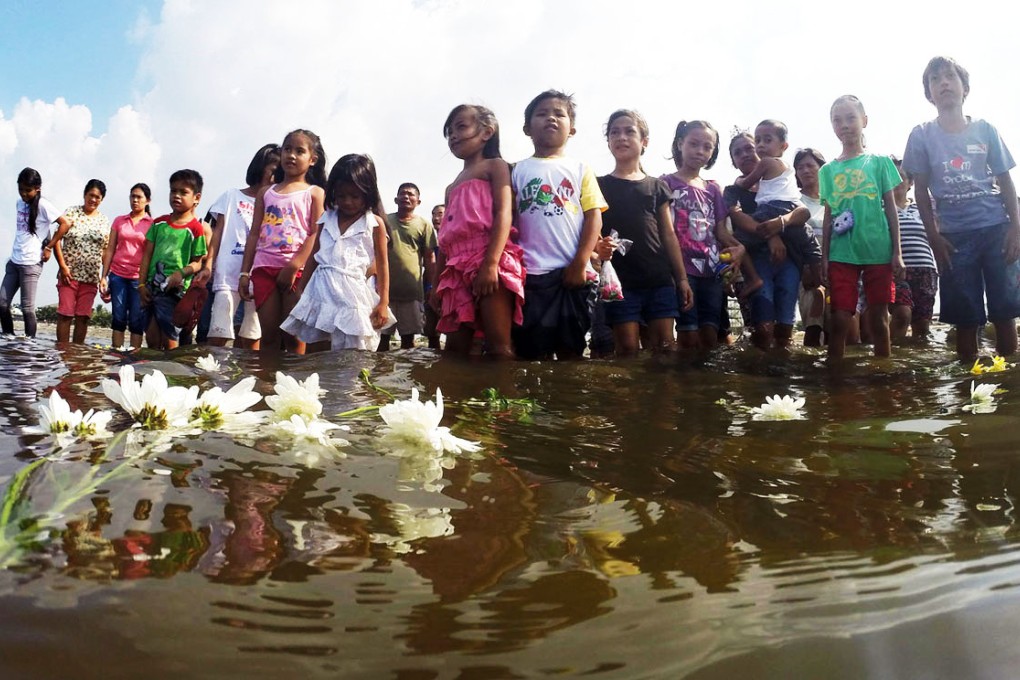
246, 274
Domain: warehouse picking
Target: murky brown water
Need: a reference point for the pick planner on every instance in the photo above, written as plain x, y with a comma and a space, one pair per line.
636, 525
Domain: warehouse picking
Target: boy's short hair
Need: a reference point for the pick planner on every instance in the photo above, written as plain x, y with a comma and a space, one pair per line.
567, 99
777, 125
191, 178
409, 185
937, 64
437, 206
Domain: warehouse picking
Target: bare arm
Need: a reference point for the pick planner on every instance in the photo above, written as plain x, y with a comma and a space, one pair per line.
765, 166
889, 203
670, 243
204, 272
143, 273
1007, 190
313, 264
942, 248
826, 240
574, 276
62, 228
250, 246
487, 281
108, 252
380, 239
285, 281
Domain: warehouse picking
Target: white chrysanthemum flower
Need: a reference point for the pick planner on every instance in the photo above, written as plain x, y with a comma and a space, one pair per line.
208, 363
982, 398
152, 403
416, 423
310, 437
294, 397
219, 410
779, 408
57, 418
55, 415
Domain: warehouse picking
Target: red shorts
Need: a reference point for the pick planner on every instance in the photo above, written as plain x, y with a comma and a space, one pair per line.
263, 283
879, 287
76, 298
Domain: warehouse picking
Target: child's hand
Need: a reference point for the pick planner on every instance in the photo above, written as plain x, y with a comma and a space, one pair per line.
686, 296
486, 282
769, 228
943, 251
379, 316
285, 279
1011, 247
605, 247
175, 280
65, 275
777, 250
202, 277
736, 254
574, 276
144, 295
811, 277
244, 287
899, 269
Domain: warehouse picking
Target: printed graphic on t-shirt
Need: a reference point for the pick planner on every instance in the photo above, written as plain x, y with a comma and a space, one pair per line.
695, 226
538, 197
278, 227
246, 211
850, 184
958, 174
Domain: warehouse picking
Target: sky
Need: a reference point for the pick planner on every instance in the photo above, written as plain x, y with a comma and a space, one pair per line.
129, 91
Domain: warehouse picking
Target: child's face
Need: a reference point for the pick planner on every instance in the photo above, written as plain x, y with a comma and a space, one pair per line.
697, 148
349, 200
550, 126
625, 140
183, 198
269, 171
768, 142
467, 137
93, 197
28, 193
438, 213
945, 87
297, 155
848, 122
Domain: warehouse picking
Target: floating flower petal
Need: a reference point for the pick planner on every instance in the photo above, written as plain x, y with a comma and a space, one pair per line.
294, 397
217, 410
152, 403
982, 399
208, 363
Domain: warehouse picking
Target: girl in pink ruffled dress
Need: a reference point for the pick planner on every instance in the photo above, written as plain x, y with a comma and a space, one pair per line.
481, 280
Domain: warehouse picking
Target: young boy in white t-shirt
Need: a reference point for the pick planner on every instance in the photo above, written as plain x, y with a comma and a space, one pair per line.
559, 215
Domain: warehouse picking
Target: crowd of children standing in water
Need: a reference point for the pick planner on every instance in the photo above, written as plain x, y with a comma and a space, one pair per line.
543, 259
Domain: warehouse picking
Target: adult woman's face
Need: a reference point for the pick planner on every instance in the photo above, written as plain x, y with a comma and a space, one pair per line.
93, 197
807, 172
138, 200
743, 155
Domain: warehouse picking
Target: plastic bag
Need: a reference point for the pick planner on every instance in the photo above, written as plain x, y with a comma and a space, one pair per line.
610, 289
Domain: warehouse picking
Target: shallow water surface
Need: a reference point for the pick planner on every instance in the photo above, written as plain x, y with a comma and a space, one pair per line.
634, 523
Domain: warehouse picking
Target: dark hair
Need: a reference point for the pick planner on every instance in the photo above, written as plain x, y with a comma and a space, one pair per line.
738, 134
317, 171
937, 64
95, 184
144, 188
264, 157
777, 125
485, 118
31, 178
409, 185
191, 178
567, 99
685, 126
437, 206
806, 153
848, 99
359, 170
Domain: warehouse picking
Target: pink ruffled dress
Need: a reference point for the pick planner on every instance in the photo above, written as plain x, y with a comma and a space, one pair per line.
463, 239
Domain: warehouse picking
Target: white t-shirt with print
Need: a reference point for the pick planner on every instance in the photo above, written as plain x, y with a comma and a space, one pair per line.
28, 247
236, 211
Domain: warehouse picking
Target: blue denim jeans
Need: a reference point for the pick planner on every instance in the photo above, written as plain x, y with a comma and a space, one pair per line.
776, 300
126, 304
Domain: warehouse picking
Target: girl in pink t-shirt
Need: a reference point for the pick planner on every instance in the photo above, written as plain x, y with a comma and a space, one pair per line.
283, 235
123, 256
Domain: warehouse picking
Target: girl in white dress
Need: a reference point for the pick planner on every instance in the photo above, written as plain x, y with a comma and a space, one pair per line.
345, 288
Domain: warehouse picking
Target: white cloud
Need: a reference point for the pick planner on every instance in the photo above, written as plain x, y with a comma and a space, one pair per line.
218, 80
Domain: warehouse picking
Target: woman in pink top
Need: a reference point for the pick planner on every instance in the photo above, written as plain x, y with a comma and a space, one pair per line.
120, 267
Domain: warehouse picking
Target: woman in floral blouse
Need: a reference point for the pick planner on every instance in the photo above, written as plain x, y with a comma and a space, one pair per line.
80, 257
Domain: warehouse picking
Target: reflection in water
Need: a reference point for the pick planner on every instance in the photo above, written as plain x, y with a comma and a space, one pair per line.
634, 522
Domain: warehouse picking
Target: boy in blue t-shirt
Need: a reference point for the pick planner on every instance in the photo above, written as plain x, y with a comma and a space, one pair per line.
964, 165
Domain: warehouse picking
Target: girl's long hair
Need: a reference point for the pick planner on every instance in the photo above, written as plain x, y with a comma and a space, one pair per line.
30, 177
